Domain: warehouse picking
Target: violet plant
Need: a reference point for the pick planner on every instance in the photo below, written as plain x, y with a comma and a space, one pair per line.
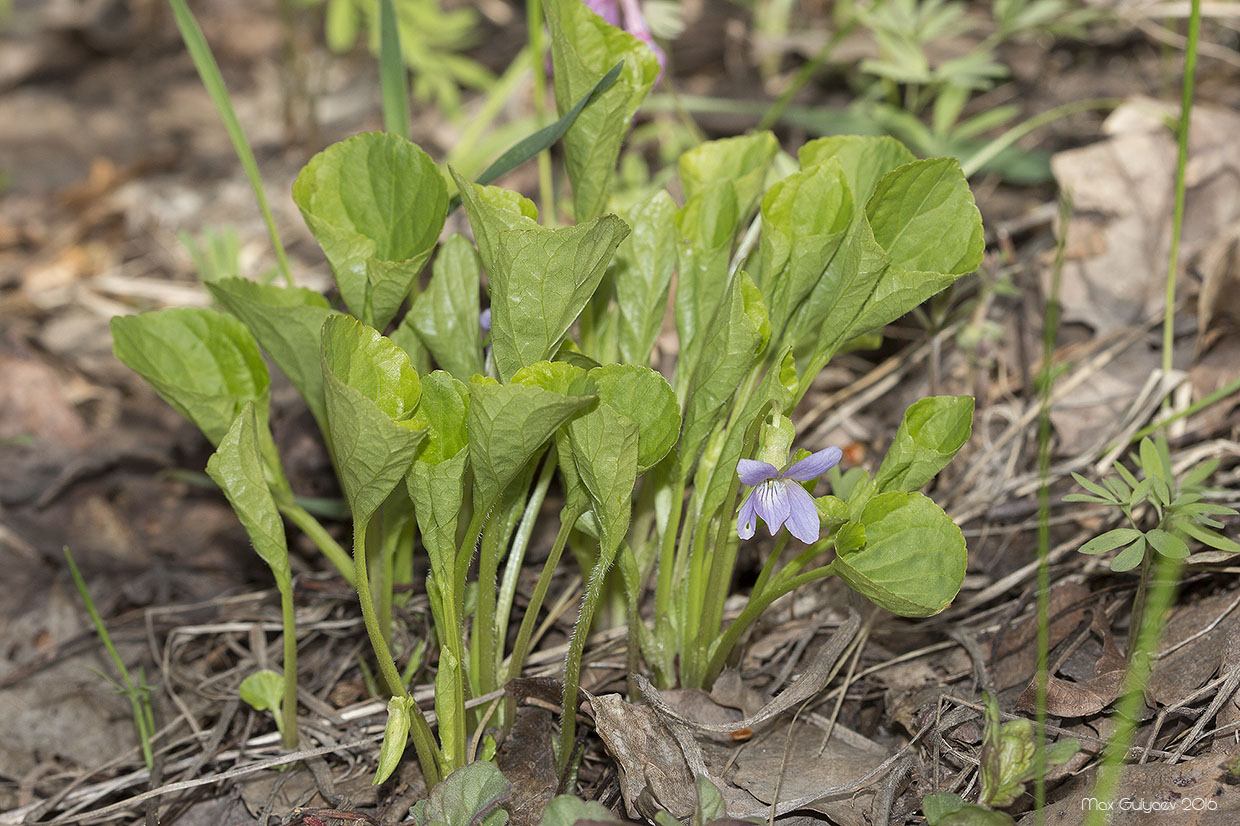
779, 267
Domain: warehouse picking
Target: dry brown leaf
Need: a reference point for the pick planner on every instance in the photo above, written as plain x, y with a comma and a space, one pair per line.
1069, 698
1189, 665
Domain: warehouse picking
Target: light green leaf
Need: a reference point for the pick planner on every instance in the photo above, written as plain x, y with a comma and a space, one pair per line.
1109, 541
540, 282
923, 218
1167, 544
1095, 488
264, 691
642, 275
442, 412
730, 346
864, 159
707, 226
288, 323
644, 397
583, 49
395, 738
740, 161
1130, 557
805, 218
932, 431
914, 558
376, 204
710, 803
567, 810
445, 316
372, 392
237, 467
947, 809
604, 448
203, 363
469, 796
493, 211
1206, 536
508, 426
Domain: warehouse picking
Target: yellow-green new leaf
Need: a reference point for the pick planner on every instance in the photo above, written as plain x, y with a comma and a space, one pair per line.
202, 362
445, 316
372, 392
237, 467
932, 430
912, 560
288, 322
376, 204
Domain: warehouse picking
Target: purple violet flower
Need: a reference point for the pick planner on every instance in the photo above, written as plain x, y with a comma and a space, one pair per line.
778, 497
484, 320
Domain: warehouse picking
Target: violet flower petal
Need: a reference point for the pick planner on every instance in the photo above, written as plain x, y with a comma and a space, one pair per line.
752, 472
609, 10
484, 320
747, 520
803, 522
771, 503
813, 465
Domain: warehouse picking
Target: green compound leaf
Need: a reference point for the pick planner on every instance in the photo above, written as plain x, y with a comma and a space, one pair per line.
372, 392
805, 219
932, 431
863, 159
913, 559
1167, 544
395, 737
469, 796
202, 362
583, 49
642, 275
541, 281
288, 323
376, 203
445, 316
1109, 541
1206, 536
1130, 557
741, 161
237, 467
508, 426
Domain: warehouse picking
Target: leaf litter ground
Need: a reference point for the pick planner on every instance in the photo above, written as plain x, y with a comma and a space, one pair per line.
90, 459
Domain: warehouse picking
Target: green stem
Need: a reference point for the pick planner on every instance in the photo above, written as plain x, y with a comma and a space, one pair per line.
483, 673
392, 79
288, 708
538, 51
576, 649
312, 528
383, 655
1201, 404
521, 646
779, 586
520, 544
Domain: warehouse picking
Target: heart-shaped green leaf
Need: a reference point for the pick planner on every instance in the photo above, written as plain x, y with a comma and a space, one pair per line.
288, 323
508, 426
913, 560
372, 392
864, 159
642, 275
932, 431
644, 397
376, 203
237, 467
740, 161
202, 362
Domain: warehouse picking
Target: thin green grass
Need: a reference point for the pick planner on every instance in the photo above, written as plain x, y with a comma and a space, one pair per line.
393, 79
138, 694
1046, 384
1166, 570
213, 81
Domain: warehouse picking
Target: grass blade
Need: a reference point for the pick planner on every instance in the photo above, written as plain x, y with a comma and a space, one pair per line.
392, 77
209, 72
